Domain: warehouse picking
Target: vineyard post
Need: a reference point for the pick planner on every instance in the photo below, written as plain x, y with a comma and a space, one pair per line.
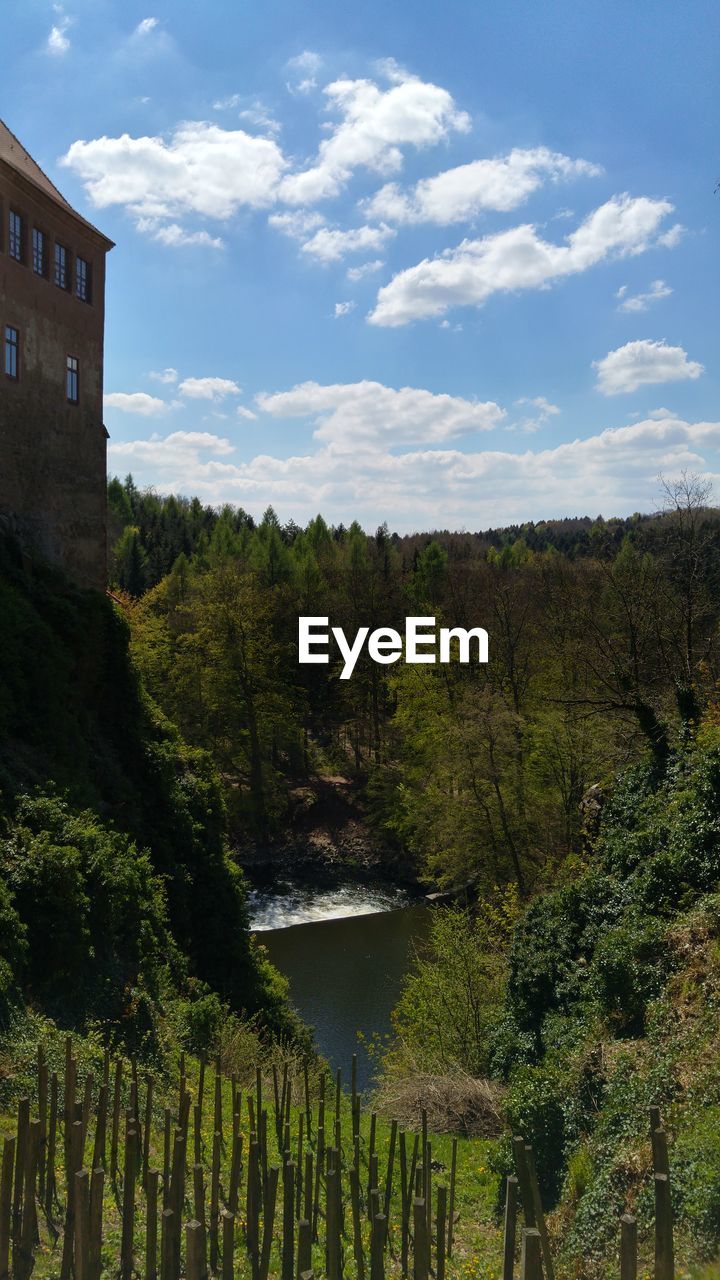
664, 1256
51, 1144
441, 1232
357, 1222
420, 1243
304, 1248
628, 1247
539, 1215
194, 1267
128, 1204
510, 1227
531, 1255
81, 1190
6, 1179
268, 1224
228, 1245
42, 1113
97, 1190
451, 1208
151, 1225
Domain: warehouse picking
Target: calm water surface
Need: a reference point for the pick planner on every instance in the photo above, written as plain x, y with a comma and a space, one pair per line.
345, 948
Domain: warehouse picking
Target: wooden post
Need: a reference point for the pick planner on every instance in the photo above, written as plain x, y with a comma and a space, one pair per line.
151, 1191
539, 1215
628, 1247
51, 1144
6, 1190
358, 1250
404, 1202
268, 1224
74, 1159
98, 1156
308, 1112
661, 1160
97, 1190
128, 1205
81, 1189
510, 1228
390, 1168
664, 1254
24, 1259
451, 1208
42, 1115
167, 1127
421, 1261
228, 1245
115, 1133
377, 1247
215, 1199
146, 1134
194, 1268
304, 1248
530, 1255
523, 1177
441, 1232
167, 1245
87, 1107
21, 1156
288, 1242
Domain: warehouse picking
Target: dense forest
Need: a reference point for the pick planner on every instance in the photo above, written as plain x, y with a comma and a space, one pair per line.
603, 649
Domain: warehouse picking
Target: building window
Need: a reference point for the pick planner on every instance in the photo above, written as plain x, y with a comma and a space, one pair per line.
15, 236
61, 266
72, 379
38, 246
82, 279
12, 352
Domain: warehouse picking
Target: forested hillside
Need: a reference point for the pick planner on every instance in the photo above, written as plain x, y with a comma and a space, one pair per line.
603, 649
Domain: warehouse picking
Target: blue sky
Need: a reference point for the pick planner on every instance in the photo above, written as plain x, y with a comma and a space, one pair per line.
444, 265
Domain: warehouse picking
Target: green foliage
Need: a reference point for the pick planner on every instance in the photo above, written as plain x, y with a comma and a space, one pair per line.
452, 995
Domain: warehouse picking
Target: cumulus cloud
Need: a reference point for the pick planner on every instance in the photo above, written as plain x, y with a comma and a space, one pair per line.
145, 26
200, 169
518, 259
614, 471
374, 125
136, 402
459, 194
360, 414
641, 301
343, 308
329, 245
642, 363
243, 412
164, 375
208, 388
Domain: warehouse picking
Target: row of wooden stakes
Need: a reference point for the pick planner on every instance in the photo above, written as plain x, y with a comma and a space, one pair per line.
306, 1193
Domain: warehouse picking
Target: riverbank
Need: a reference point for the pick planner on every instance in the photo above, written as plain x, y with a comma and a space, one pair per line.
327, 829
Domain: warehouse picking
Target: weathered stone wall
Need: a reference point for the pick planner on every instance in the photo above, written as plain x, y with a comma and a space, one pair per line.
52, 453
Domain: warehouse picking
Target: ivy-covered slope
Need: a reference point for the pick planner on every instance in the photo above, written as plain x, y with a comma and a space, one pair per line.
613, 1004
116, 890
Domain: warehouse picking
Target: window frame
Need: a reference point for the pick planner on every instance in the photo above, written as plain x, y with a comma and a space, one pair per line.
16, 235
38, 231
66, 282
72, 373
11, 345
84, 275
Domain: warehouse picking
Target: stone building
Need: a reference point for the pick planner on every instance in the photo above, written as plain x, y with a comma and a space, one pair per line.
52, 437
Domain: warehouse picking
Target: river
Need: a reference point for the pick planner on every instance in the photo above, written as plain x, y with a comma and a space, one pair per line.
345, 947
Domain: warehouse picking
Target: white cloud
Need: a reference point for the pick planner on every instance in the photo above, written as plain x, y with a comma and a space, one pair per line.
374, 125
145, 26
164, 375
614, 472
343, 308
200, 169
298, 225
174, 236
208, 388
357, 414
642, 363
672, 237
329, 245
243, 412
135, 402
308, 62
530, 422
181, 449
517, 259
459, 194
641, 301
58, 41
365, 269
